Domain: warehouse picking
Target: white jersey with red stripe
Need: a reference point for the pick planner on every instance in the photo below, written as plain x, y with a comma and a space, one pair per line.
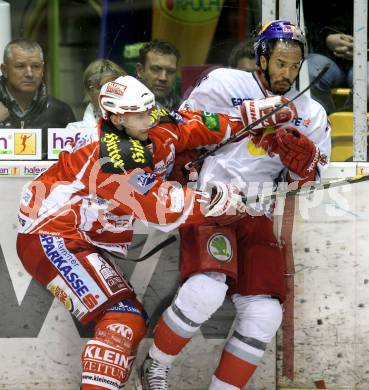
100, 186
247, 162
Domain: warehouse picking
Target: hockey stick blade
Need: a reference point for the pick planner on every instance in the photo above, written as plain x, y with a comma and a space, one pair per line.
242, 132
306, 189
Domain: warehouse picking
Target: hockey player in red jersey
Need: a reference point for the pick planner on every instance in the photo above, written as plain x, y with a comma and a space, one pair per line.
242, 257
87, 202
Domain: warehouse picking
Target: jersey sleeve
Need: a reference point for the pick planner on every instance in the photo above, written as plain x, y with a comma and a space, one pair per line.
221, 90
203, 129
207, 95
150, 198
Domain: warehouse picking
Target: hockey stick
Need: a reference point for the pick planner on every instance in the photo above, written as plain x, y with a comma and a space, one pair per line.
252, 125
154, 250
306, 189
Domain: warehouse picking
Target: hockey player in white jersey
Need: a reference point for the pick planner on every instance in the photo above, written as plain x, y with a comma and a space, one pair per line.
242, 257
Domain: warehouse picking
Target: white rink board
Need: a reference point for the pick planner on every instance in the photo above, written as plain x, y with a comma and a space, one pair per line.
331, 288
331, 305
51, 358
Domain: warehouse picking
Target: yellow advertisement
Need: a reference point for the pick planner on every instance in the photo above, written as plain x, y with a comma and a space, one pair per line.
14, 171
24, 143
189, 25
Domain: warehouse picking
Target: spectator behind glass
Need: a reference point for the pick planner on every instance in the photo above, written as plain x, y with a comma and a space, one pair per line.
24, 101
329, 34
157, 69
97, 73
242, 57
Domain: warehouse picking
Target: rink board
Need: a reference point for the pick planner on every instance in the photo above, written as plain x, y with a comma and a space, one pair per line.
40, 344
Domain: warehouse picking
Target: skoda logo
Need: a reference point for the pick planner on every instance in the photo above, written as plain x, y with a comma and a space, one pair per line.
220, 248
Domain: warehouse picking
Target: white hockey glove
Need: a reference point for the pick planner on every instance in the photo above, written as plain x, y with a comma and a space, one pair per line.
252, 110
225, 203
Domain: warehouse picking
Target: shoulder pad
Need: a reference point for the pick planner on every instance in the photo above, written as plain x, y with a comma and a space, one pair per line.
122, 153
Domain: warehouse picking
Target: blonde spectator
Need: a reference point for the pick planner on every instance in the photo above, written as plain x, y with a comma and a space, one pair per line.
97, 73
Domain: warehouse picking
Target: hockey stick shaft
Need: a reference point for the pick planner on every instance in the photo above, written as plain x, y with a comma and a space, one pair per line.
252, 125
305, 190
156, 249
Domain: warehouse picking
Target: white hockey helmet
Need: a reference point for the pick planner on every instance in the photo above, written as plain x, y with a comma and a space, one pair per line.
130, 98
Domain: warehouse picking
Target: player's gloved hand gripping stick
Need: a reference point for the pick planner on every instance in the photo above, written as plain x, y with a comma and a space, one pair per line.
255, 124
269, 119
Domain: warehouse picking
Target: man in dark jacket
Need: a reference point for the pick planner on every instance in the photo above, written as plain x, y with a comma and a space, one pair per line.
24, 102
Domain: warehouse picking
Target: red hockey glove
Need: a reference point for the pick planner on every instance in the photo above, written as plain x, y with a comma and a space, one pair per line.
225, 204
252, 110
179, 173
297, 152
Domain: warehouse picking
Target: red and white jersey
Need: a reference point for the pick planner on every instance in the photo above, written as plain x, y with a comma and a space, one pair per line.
105, 181
247, 162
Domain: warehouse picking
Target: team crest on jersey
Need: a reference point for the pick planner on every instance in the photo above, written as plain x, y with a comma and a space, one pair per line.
211, 121
220, 248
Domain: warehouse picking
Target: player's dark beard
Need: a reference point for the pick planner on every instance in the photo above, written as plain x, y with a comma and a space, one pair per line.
278, 92
267, 78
